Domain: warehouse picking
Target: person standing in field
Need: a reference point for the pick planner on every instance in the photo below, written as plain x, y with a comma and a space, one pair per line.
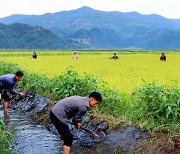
75, 56
163, 57
114, 57
71, 107
7, 83
34, 55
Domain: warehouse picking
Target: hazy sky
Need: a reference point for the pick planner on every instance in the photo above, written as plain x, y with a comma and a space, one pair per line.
167, 8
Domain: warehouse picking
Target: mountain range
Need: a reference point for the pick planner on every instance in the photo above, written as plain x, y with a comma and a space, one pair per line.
22, 36
94, 29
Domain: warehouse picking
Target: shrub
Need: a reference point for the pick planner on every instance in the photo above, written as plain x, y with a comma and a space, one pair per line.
68, 84
159, 104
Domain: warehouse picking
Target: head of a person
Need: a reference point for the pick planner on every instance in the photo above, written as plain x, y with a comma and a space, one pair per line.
19, 75
94, 98
162, 53
74, 53
114, 54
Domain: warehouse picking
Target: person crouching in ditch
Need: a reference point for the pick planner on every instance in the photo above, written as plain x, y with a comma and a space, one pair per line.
71, 107
7, 83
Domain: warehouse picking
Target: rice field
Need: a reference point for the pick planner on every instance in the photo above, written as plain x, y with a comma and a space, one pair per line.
125, 74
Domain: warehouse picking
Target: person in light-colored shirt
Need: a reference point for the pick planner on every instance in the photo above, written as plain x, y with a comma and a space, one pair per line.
75, 56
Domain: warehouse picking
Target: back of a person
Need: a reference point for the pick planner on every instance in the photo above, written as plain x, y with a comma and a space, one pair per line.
115, 57
75, 56
68, 107
163, 57
9, 78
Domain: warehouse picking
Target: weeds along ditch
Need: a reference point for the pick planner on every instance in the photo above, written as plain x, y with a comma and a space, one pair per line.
5, 138
152, 107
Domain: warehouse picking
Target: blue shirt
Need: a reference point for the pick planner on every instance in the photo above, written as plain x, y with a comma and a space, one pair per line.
7, 82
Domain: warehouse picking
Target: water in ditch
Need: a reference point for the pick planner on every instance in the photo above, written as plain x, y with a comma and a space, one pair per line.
29, 137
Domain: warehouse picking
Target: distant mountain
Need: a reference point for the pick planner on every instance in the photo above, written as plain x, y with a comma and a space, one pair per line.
22, 36
169, 39
98, 38
95, 29
87, 18
110, 39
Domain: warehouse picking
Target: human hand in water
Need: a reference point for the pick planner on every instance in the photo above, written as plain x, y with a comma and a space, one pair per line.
78, 126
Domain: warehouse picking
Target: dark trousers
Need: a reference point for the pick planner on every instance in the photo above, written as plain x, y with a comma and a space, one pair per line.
63, 130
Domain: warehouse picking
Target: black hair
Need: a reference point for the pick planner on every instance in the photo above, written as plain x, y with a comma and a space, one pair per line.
96, 95
19, 73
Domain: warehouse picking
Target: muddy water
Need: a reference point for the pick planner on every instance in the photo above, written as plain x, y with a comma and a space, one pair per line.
28, 137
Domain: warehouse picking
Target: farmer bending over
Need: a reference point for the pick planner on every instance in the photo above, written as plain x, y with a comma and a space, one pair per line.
163, 57
34, 55
71, 107
114, 56
7, 83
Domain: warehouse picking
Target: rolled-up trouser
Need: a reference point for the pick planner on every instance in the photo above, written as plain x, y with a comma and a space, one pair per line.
63, 130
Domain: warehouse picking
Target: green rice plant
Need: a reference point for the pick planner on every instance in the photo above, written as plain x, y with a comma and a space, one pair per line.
124, 74
57, 75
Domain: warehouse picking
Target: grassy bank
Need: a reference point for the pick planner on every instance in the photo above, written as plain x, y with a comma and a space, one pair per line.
5, 139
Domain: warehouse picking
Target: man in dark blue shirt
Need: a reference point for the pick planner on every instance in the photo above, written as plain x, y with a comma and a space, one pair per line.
7, 83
